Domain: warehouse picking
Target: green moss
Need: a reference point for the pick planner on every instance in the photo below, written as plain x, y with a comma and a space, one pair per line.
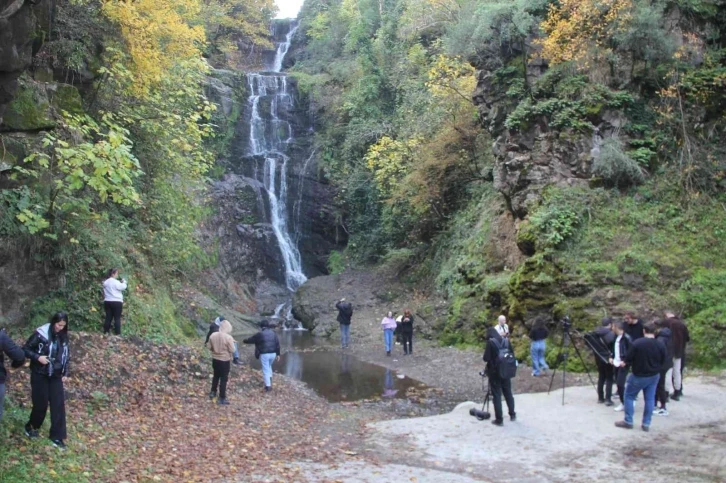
29, 110
67, 98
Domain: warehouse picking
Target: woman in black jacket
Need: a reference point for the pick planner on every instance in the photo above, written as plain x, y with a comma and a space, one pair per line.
406, 329
49, 354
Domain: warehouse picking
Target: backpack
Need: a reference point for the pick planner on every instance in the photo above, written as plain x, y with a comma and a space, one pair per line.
506, 362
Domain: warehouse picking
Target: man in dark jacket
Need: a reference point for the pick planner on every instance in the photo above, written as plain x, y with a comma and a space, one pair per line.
214, 327
633, 326
267, 348
497, 384
621, 346
345, 313
661, 393
646, 358
604, 338
680, 338
16, 355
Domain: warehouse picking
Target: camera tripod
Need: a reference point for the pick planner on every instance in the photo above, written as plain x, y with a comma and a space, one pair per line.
563, 355
483, 413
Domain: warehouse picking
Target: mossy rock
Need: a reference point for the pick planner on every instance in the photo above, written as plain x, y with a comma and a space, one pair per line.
533, 287
30, 110
65, 97
11, 152
527, 239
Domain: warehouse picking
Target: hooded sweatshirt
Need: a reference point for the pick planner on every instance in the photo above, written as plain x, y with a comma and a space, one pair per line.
15, 353
388, 323
664, 336
45, 342
221, 343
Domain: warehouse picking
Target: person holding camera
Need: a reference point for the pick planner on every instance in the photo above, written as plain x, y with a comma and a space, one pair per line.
345, 314
538, 336
267, 350
49, 352
621, 346
16, 355
113, 301
499, 357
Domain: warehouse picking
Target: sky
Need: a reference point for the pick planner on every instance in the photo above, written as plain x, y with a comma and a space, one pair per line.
288, 8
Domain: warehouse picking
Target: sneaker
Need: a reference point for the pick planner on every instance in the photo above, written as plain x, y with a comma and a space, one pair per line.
497, 422
619, 407
661, 412
30, 432
676, 396
268, 388
237, 362
609, 403
645, 428
58, 443
212, 395
535, 374
623, 424
601, 401
223, 402
388, 353
512, 417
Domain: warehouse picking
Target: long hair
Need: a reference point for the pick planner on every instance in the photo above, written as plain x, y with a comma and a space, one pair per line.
58, 317
111, 272
407, 313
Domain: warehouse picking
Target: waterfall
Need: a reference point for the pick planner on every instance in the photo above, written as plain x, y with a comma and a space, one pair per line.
270, 134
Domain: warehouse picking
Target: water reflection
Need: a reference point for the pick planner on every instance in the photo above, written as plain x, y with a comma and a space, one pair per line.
337, 376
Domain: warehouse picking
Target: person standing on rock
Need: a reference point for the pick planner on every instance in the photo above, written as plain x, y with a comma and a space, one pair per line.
646, 358
214, 327
16, 355
406, 328
621, 346
223, 347
680, 338
502, 327
538, 336
345, 313
49, 353
634, 326
113, 301
389, 326
267, 349
498, 384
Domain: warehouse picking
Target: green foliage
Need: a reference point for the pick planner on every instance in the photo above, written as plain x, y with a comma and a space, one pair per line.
557, 218
336, 262
615, 166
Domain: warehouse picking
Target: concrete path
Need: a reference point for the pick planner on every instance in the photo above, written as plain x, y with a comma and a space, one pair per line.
548, 442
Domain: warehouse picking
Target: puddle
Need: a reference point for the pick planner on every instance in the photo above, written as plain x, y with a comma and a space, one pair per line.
337, 376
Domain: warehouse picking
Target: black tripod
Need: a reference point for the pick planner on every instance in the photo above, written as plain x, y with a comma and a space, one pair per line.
563, 355
483, 413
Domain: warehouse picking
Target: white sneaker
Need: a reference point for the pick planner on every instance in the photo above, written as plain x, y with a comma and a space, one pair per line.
661, 412
619, 407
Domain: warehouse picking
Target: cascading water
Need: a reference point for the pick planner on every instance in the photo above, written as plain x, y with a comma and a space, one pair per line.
269, 136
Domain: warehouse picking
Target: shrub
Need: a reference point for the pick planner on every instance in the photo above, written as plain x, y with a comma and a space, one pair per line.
614, 166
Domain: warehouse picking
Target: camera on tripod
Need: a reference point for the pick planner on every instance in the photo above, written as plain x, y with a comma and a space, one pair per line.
566, 323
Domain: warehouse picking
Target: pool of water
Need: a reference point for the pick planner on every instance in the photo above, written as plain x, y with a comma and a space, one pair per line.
335, 375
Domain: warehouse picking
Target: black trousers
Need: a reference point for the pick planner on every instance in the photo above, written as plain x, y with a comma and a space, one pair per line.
498, 387
621, 374
605, 374
661, 395
46, 390
221, 374
113, 311
407, 342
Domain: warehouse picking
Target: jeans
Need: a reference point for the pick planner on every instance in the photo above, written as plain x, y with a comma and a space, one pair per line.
537, 351
498, 387
236, 352
677, 374
605, 372
344, 335
46, 390
407, 342
113, 312
2, 400
266, 360
388, 338
221, 374
634, 385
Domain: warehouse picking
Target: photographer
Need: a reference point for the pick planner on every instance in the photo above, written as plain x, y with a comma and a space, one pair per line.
496, 346
16, 354
113, 301
538, 336
604, 338
345, 314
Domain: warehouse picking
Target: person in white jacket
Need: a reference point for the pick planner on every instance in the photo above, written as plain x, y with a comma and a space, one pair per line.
113, 301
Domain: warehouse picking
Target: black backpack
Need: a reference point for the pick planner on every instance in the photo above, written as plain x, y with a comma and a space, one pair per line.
506, 362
